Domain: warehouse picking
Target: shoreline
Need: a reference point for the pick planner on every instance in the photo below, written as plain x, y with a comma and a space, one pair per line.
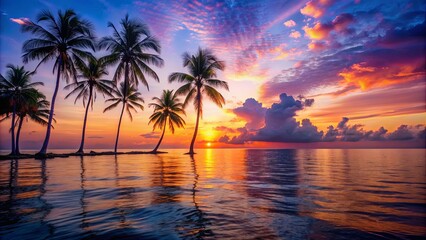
65, 155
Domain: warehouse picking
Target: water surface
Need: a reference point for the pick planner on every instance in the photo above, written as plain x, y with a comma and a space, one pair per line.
217, 194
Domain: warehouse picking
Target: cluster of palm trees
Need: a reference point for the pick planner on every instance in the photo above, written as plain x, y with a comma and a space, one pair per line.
69, 41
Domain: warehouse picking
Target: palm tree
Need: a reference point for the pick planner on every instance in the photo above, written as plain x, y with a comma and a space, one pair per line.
17, 87
128, 49
92, 73
36, 109
166, 111
130, 98
199, 82
62, 39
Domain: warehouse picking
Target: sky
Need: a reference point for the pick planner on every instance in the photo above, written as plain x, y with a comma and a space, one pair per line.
301, 74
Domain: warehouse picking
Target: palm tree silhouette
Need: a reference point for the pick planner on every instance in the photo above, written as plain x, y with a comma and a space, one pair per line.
17, 88
128, 49
35, 108
166, 111
130, 98
92, 73
62, 39
199, 82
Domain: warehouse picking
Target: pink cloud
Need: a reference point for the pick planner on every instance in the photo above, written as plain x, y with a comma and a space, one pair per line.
21, 21
290, 23
316, 8
295, 34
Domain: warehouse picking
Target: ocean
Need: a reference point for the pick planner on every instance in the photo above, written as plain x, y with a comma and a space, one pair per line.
218, 194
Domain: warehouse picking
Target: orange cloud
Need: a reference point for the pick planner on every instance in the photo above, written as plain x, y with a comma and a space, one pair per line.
21, 21
319, 31
366, 77
317, 46
290, 23
295, 34
315, 8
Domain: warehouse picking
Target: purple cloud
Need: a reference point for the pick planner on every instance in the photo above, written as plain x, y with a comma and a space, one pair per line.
252, 112
280, 125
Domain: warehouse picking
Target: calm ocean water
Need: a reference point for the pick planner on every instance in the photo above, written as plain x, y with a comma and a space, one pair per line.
218, 194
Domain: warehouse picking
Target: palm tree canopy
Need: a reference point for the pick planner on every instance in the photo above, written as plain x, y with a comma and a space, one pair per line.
92, 74
62, 38
38, 110
130, 97
17, 87
131, 47
167, 107
202, 68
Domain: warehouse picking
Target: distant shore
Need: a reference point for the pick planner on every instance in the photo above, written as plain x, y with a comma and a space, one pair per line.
65, 155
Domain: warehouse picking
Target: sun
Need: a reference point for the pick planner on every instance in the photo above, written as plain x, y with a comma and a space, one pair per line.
208, 144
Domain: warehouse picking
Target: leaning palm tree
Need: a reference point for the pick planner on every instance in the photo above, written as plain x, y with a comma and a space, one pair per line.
17, 87
166, 111
62, 39
128, 48
199, 82
92, 73
130, 98
35, 108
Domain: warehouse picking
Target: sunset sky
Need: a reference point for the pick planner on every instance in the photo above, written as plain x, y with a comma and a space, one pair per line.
319, 73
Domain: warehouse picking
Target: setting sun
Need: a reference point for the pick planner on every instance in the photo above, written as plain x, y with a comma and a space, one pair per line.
209, 144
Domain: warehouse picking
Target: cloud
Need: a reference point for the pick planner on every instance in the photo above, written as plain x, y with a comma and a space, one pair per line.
96, 137
295, 34
394, 100
357, 62
316, 8
21, 21
366, 76
317, 46
290, 23
237, 30
378, 135
280, 125
243, 137
225, 129
321, 31
150, 135
402, 133
252, 112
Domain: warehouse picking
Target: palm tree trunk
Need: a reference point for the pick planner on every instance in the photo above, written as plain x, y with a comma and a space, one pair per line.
126, 77
12, 129
118, 130
161, 139
18, 133
191, 147
52, 108
81, 149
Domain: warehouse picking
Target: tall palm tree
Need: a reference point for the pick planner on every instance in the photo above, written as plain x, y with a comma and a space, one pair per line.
34, 108
200, 82
166, 111
129, 48
62, 38
92, 73
17, 87
130, 99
